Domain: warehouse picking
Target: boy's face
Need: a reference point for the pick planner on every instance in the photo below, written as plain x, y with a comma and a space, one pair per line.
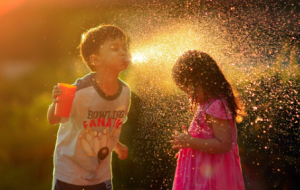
113, 55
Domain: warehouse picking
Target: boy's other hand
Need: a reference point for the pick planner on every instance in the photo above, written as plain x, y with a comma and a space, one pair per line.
56, 92
121, 150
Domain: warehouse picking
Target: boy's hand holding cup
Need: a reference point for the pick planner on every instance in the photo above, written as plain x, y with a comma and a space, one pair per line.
63, 95
56, 92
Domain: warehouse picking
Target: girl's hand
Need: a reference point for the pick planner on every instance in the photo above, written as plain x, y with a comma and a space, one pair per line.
56, 92
121, 150
181, 140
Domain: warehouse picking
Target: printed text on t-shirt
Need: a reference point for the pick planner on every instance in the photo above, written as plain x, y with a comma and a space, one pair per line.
98, 118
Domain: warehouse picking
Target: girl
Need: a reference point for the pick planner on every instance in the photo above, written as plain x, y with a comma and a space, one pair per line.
208, 157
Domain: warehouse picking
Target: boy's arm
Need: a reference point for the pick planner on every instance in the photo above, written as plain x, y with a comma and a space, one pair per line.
52, 118
121, 150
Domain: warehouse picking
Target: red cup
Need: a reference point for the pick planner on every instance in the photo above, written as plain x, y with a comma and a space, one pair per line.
63, 106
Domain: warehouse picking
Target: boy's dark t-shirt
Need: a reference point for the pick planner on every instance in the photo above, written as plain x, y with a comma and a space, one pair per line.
95, 122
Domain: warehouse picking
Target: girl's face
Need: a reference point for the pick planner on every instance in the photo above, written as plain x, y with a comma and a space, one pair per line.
190, 91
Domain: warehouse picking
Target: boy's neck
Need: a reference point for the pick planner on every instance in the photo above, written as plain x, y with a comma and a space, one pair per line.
108, 82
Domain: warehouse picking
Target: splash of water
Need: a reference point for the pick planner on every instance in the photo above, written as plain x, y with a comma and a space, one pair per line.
261, 64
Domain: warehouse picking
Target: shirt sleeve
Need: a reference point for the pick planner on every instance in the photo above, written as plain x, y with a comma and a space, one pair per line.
219, 109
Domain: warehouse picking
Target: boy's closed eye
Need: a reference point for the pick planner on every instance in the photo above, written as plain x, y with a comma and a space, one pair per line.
114, 47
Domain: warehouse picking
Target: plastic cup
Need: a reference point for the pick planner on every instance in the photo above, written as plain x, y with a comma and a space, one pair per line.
63, 106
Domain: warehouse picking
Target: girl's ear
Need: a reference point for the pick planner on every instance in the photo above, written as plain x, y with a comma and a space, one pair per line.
95, 60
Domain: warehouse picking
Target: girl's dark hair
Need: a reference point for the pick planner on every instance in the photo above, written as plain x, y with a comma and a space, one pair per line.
198, 69
94, 38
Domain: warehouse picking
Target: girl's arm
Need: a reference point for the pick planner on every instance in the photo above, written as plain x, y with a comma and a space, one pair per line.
220, 144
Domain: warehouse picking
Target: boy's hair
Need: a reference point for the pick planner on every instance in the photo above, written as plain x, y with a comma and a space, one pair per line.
197, 68
95, 37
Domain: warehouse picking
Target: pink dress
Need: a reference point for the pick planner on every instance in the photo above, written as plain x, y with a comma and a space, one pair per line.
202, 171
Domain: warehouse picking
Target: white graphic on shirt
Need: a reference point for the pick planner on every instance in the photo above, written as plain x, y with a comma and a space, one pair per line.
86, 146
96, 144
104, 139
88, 136
99, 145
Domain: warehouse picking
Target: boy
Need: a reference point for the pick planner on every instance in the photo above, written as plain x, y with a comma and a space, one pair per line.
85, 139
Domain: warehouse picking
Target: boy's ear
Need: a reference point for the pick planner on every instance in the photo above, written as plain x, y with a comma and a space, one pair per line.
95, 60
